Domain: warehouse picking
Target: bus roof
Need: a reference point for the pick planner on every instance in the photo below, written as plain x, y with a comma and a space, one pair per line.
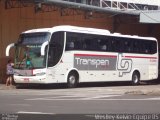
86, 30
71, 29
132, 36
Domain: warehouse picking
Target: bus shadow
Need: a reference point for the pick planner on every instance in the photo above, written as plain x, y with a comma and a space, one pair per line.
88, 85
118, 84
41, 86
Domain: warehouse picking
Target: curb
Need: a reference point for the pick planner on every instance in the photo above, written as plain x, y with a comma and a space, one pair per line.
144, 92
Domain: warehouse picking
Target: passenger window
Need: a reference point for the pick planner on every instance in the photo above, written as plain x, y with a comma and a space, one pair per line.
55, 48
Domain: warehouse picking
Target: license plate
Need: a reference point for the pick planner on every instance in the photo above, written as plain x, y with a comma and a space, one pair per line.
26, 79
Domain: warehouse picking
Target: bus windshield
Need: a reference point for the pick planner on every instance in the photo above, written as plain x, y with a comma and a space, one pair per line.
27, 54
33, 38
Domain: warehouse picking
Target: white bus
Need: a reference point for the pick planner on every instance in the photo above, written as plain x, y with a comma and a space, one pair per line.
72, 55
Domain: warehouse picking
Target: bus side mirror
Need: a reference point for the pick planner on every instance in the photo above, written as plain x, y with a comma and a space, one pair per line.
43, 48
8, 48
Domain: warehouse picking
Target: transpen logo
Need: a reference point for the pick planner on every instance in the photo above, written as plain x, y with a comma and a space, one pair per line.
93, 62
124, 65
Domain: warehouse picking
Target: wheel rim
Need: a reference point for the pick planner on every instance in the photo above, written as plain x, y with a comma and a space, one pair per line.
135, 79
72, 80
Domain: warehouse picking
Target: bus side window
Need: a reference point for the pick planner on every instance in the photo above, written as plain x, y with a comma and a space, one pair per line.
115, 45
146, 47
51, 55
127, 45
87, 44
74, 41
152, 47
55, 48
113, 49
103, 47
70, 45
78, 45
102, 43
135, 46
118, 45
142, 46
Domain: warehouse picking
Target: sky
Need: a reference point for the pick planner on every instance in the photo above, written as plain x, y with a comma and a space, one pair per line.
150, 2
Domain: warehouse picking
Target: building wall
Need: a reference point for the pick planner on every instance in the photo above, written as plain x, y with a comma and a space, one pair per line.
147, 30
16, 20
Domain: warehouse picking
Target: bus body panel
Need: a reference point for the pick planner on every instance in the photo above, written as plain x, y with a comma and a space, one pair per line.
95, 66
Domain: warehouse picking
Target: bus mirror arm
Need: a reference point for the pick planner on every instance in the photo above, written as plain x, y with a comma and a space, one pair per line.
43, 48
8, 48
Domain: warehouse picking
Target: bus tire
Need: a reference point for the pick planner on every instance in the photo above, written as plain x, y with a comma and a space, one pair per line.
136, 78
72, 79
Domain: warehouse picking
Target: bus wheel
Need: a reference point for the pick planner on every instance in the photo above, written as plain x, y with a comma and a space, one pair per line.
72, 80
135, 78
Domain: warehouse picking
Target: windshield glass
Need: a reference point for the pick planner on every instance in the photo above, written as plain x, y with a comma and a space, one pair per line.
33, 38
29, 57
28, 51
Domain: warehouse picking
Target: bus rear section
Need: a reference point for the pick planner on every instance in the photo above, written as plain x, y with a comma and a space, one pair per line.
111, 57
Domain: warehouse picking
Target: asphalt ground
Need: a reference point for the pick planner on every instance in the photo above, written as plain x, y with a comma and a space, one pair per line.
57, 99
